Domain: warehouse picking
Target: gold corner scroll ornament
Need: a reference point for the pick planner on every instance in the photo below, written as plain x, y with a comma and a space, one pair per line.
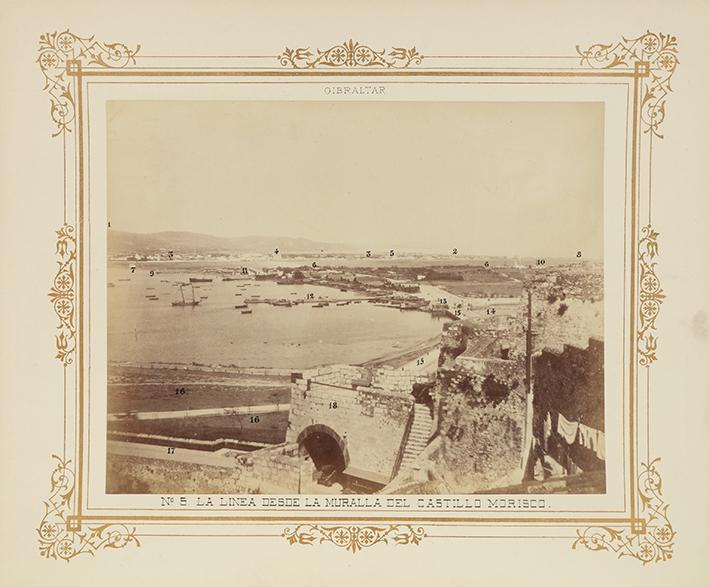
62, 294
61, 536
349, 54
648, 540
56, 52
354, 538
651, 295
658, 52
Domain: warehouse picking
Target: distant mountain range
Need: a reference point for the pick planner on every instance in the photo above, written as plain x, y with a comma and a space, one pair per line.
120, 242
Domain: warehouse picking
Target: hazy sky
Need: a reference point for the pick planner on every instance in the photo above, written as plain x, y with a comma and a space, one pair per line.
503, 178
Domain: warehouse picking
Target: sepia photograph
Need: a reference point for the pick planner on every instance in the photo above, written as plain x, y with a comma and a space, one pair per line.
355, 297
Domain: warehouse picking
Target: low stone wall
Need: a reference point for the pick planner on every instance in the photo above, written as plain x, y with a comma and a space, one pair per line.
399, 380
132, 474
278, 467
269, 470
206, 368
191, 443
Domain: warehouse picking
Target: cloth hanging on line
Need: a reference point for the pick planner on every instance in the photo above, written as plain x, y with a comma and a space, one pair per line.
601, 446
592, 439
567, 430
587, 436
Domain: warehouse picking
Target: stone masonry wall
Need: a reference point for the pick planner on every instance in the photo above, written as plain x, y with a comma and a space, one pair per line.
369, 421
275, 467
270, 470
481, 423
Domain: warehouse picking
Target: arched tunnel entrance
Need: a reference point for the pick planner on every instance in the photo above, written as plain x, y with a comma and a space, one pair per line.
327, 451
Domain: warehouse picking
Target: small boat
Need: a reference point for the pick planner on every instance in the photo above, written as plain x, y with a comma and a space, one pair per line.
342, 303
155, 299
247, 311
203, 297
229, 278
240, 306
201, 280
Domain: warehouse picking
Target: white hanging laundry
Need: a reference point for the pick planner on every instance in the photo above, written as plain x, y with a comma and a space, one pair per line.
601, 447
567, 430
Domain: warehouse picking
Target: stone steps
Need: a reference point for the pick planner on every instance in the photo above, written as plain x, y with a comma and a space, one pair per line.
419, 434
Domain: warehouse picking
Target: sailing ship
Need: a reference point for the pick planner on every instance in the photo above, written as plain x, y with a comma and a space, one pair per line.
185, 302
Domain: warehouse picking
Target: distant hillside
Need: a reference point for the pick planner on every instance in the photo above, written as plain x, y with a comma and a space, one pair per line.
120, 243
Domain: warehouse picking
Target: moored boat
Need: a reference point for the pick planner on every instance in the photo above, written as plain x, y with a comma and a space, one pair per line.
184, 302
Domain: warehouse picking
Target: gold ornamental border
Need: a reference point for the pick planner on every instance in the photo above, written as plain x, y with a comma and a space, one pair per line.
650, 60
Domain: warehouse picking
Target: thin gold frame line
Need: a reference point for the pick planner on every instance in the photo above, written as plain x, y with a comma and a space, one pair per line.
359, 511
625, 267
267, 524
425, 57
251, 536
80, 325
88, 290
78, 73
88, 84
207, 68
357, 73
594, 521
633, 251
429, 82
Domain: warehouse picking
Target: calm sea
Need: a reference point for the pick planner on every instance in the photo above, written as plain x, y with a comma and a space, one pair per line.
140, 329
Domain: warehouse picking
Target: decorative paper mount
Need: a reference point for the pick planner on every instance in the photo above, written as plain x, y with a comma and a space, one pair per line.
61, 536
349, 54
652, 54
648, 540
354, 538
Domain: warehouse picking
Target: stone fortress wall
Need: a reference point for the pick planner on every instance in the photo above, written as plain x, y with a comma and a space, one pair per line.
367, 409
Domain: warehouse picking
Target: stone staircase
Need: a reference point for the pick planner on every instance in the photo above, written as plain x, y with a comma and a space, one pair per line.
418, 436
